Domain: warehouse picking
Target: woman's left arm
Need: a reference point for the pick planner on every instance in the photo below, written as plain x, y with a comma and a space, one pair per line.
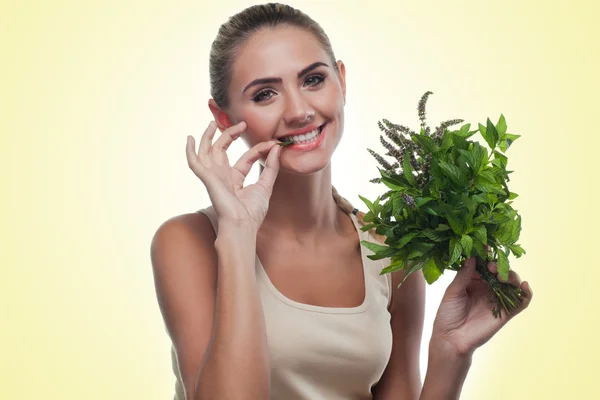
463, 323
402, 376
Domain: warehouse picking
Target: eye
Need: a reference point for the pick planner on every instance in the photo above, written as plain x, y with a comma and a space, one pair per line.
315, 80
262, 95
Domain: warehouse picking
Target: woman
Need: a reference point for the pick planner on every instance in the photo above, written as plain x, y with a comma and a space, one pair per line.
268, 293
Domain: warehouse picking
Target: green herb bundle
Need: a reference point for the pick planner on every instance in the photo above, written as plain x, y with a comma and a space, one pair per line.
448, 200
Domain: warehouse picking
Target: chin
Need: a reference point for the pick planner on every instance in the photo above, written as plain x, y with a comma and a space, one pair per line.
304, 166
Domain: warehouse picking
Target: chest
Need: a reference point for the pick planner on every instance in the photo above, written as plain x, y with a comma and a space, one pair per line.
326, 352
330, 277
327, 322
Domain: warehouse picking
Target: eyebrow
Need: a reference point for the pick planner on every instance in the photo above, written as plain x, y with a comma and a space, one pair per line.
262, 81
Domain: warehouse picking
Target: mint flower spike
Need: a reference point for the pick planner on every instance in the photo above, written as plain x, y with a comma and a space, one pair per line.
421, 109
447, 199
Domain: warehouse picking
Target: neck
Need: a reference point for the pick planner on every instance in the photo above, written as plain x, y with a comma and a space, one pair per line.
302, 208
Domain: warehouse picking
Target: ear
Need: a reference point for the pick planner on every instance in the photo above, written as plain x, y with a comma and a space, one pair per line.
342, 76
220, 116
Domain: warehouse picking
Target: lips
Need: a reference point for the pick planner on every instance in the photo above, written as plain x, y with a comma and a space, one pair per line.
285, 139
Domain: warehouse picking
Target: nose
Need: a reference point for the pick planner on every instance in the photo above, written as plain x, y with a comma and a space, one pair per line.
297, 109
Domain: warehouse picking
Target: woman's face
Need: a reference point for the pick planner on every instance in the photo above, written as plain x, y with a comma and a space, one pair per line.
284, 81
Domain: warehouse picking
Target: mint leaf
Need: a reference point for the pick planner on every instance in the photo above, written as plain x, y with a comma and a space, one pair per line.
464, 133
500, 160
452, 172
455, 223
405, 239
492, 134
426, 142
368, 203
517, 250
442, 227
480, 249
509, 138
480, 156
466, 242
378, 250
394, 266
455, 250
501, 126
414, 266
420, 201
516, 230
431, 271
419, 249
483, 132
407, 169
435, 235
481, 233
502, 263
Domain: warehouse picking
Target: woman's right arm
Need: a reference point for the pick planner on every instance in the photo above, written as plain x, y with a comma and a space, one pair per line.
206, 285
207, 293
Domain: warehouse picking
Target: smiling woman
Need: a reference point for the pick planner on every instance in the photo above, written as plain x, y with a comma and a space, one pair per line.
267, 292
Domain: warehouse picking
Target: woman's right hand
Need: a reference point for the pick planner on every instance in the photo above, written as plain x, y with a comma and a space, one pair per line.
232, 201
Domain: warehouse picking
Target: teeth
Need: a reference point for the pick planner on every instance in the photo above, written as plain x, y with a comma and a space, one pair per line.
299, 138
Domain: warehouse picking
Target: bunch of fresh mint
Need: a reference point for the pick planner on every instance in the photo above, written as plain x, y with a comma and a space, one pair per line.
448, 200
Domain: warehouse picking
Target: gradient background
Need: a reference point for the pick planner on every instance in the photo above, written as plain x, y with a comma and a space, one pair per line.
96, 101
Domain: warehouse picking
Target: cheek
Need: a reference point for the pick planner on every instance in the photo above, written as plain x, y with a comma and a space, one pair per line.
330, 101
262, 124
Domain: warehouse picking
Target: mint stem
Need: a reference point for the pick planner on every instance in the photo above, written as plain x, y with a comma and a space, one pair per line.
507, 295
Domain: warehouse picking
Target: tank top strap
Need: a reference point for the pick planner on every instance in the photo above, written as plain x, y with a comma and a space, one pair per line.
383, 282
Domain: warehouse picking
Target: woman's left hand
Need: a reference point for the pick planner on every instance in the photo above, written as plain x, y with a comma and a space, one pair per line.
464, 320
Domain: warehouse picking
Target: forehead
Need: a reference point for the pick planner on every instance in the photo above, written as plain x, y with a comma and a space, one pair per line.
276, 52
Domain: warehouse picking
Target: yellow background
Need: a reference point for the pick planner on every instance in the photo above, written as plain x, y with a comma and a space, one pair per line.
97, 98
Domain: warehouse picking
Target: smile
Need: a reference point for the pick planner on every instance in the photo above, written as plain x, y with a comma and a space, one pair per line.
304, 138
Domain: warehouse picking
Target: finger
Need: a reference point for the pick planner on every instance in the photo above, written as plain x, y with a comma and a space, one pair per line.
463, 276
526, 295
269, 174
247, 160
475, 275
206, 139
190, 152
229, 135
513, 278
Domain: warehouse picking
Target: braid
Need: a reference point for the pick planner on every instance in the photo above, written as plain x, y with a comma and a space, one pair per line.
348, 208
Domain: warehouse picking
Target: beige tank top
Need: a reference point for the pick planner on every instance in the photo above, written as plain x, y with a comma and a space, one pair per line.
331, 353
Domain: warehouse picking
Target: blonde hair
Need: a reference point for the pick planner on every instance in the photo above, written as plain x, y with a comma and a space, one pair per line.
347, 207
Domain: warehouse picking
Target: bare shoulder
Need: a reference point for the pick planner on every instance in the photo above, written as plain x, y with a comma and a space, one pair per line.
194, 223
182, 232
184, 263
